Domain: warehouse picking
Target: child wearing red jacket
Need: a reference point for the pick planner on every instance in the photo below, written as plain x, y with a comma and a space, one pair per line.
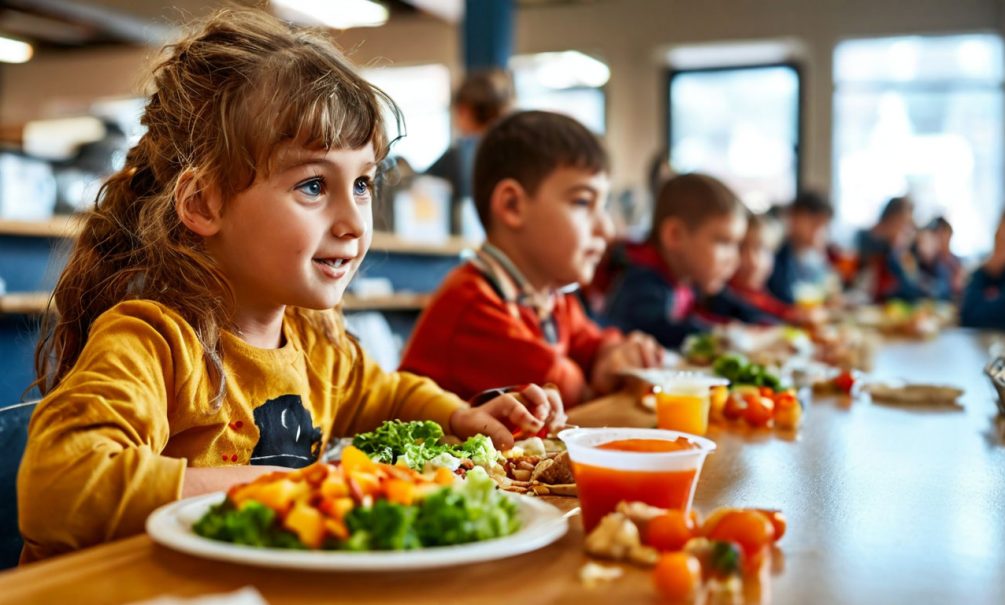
508, 316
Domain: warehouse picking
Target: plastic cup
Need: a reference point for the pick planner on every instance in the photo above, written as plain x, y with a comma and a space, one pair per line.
605, 477
682, 399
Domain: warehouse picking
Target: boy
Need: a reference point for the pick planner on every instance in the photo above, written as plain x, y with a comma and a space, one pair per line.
984, 298
749, 284
506, 317
692, 250
802, 258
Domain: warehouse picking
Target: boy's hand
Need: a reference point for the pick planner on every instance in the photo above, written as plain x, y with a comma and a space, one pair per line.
638, 350
499, 417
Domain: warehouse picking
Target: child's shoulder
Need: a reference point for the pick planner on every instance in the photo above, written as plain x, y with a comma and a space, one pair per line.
465, 286
144, 311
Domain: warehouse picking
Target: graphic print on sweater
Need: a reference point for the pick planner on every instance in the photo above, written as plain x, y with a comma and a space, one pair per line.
287, 435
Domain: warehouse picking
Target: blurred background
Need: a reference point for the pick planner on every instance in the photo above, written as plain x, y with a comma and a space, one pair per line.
861, 99
857, 100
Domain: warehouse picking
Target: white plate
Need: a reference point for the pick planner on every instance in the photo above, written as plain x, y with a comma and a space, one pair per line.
171, 526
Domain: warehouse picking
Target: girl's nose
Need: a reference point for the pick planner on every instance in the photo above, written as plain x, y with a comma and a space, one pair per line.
349, 221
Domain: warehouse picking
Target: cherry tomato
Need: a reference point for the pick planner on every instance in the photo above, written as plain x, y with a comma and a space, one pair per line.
788, 416
669, 531
844, 382
785, 399
677, 576
767, 392
735, 408
718, 397
750, 529
777, 519
760, 411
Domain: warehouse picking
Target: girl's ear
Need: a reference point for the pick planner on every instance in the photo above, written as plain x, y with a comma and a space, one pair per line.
508, 205
196, 203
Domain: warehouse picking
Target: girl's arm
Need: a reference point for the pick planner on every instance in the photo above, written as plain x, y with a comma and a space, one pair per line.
200, 481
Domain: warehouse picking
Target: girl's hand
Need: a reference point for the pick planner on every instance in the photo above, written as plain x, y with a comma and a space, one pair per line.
529, 410
637, 350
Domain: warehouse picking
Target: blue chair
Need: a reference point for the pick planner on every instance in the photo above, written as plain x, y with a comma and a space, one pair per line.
13, 438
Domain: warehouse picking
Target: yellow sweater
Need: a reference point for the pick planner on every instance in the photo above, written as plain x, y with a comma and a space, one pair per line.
111, 442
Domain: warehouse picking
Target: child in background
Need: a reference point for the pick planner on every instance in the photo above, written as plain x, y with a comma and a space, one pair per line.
941, 270
692, 251
984, 297
482, 98
507, 316
196, 344
801, 262
757, 259
888, 265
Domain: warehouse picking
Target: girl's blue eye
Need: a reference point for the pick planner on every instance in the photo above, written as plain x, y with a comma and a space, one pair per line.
361, 186
313, 187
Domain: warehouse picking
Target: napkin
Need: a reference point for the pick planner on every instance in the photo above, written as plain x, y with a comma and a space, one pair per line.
245, 596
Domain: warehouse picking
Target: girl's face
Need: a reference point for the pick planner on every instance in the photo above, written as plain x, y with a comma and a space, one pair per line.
757, 260
298, 236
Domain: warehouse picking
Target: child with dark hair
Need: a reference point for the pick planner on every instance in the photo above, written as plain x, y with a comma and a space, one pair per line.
691, 252
885, 257
983, 303
482, 98
508, 316
802, 259
941, 270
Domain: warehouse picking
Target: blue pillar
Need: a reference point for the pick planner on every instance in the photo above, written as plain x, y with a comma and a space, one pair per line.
487, 36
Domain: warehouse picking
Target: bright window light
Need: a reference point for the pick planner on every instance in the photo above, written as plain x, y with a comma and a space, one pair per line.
568, 82
922, 116
14, 51
338, 14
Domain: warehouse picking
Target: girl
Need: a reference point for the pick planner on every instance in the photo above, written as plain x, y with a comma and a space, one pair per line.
196, 342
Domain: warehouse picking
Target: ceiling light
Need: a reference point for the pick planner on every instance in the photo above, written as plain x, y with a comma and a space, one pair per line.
14, 51
338, 14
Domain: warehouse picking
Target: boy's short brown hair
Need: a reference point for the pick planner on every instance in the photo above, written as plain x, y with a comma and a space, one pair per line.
528, 146
693, 198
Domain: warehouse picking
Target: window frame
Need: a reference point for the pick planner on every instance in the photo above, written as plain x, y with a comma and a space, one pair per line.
672, 73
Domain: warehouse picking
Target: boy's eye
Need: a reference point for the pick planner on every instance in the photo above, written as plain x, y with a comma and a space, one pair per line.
313, 187
361, 186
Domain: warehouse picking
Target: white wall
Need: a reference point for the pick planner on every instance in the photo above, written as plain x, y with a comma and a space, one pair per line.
628, 34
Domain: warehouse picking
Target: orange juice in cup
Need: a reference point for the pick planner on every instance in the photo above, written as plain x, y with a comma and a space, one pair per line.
683, 399
654, 466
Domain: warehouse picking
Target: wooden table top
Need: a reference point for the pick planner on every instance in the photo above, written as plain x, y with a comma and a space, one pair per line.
885, 505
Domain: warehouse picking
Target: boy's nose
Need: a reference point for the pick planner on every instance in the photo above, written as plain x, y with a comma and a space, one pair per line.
605, 226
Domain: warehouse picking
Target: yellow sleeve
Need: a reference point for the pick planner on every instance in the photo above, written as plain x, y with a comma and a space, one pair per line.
371, 395
92, 470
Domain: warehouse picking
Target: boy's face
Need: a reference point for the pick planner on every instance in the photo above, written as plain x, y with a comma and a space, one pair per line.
708, 254
757, 260
809, 230
298, 236
563, 228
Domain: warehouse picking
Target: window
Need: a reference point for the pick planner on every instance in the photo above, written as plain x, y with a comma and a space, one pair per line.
567, 82
423, 94
921, 115
739, 124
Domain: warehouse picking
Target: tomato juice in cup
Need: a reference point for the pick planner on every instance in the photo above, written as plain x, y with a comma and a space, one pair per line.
654, 466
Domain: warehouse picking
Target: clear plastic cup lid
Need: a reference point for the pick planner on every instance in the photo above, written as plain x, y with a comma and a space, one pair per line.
583, 446
675, 381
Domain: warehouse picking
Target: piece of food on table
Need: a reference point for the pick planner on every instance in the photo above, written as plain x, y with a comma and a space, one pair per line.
361, 505
730, 550
916, 394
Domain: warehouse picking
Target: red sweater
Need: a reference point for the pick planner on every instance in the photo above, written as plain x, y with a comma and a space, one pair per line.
470, 339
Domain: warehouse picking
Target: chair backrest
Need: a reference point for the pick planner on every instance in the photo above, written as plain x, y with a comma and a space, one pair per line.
13, 438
